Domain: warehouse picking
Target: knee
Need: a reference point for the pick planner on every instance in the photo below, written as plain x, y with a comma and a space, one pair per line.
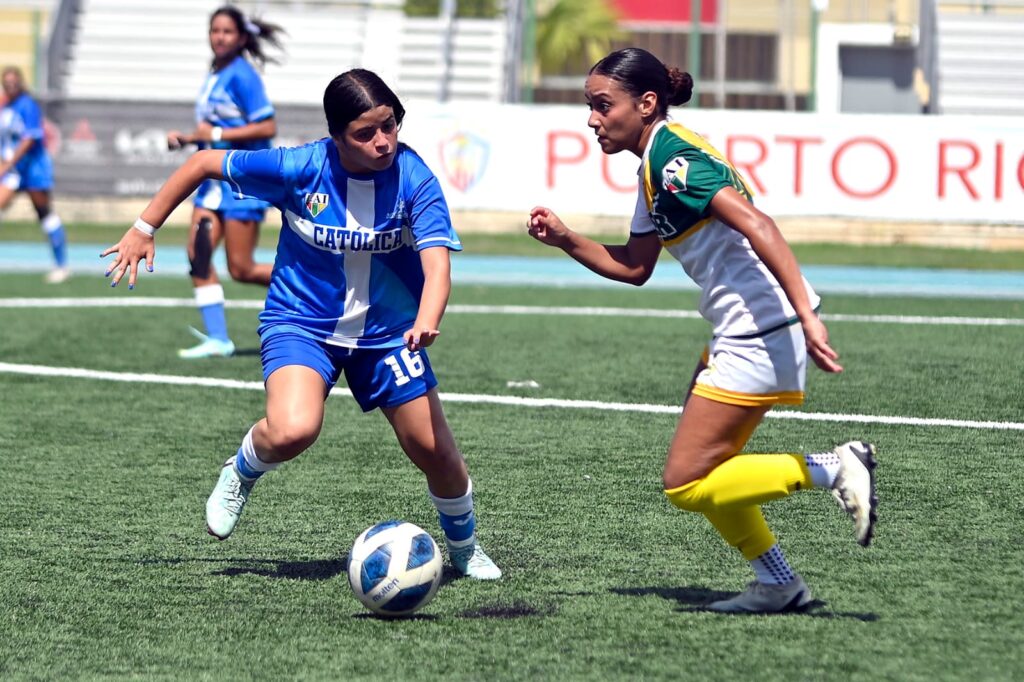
291, 437
687, 496
242, 271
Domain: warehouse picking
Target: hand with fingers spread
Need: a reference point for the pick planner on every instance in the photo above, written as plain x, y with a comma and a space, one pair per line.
419, 337
137, 245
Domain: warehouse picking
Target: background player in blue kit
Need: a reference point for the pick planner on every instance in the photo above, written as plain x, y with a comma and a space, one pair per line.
25, 165
232, 112
360, 283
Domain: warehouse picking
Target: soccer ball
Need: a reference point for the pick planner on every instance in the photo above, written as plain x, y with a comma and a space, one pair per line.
394, 568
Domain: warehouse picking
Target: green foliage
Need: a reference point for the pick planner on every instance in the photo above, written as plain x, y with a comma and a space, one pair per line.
568, 30
108, 572
467, 9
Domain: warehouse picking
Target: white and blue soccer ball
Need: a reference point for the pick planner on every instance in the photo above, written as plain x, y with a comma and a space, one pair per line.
394, 568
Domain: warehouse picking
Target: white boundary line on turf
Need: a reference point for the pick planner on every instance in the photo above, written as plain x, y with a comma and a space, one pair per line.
162, 302
125, 377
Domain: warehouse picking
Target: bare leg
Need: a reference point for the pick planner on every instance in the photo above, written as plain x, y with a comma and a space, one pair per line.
240, 240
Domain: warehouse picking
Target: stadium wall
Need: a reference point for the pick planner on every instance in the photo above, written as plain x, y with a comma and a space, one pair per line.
950, 180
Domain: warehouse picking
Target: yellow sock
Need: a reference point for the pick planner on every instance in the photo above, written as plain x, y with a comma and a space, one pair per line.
743, 528
743, 481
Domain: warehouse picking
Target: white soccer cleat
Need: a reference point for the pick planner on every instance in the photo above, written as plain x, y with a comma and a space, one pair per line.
226, 502
761, 598
58, 275
854, 487
473, 562
207, 348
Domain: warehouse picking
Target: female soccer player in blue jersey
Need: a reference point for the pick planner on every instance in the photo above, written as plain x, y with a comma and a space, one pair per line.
692, 202
232, 112
360, 283
25, 165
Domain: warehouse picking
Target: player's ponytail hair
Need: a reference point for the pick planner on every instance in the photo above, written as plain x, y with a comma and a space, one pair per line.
352, 94
256, 31
639, 71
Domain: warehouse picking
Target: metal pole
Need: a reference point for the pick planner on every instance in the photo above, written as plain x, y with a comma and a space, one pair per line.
529, 48
721, 35
447, 47
812, 92
694, 66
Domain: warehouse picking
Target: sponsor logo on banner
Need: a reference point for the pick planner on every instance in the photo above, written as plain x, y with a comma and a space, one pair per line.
464, 159
316, 203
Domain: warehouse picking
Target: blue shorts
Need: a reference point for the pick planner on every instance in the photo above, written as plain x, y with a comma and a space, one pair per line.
377, 377
216, 195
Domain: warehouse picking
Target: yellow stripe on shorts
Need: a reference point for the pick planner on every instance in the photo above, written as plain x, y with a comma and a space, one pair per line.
721, 395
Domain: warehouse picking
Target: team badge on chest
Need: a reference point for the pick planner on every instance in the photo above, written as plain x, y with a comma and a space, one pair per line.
316, 203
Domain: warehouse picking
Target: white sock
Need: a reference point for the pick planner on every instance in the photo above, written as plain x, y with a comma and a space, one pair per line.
771, 568
824, 468
247, 465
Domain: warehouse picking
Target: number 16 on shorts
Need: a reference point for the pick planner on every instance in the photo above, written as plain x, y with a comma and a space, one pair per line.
406, 365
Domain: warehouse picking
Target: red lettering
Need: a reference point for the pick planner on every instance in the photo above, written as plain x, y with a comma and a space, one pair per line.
865, 194
554, 159
1020, 172
748, 168
798, 157
999, 171
945, 168
606, 174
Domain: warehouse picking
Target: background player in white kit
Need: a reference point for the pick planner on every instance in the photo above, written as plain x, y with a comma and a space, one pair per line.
232, 112
360, 283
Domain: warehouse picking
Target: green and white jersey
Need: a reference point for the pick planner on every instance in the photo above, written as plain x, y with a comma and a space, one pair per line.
679, 176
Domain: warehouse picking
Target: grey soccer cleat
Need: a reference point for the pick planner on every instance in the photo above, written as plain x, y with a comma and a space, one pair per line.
854, 487
472, 562
761, 598
226, 502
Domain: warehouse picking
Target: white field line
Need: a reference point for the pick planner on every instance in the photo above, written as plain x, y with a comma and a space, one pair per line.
159, 302
79, 373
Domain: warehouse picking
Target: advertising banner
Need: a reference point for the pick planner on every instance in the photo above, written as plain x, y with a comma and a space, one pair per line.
512, 157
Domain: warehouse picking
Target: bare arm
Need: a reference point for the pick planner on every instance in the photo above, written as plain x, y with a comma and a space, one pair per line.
632, 262
19, 153
260, 130
437, 286
136, 246
771, 247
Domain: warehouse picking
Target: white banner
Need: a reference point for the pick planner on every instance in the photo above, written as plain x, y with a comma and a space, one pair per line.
915, 168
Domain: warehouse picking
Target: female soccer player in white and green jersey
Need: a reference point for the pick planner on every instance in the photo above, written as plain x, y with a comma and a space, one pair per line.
692, 202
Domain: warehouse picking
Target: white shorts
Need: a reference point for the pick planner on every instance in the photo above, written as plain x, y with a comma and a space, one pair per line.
761, 370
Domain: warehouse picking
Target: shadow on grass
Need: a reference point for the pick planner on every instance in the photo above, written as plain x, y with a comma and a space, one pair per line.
696, 599
316, 569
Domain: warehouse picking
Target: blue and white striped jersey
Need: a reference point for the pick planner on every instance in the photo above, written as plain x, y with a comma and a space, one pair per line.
347, 269
20, 119
234, 97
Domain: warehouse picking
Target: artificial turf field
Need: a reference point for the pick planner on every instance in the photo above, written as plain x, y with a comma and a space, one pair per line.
107, 571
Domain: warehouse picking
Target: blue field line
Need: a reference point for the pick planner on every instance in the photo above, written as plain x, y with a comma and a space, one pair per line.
563, 272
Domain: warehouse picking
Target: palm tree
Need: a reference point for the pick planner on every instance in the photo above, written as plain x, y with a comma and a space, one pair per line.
568, 30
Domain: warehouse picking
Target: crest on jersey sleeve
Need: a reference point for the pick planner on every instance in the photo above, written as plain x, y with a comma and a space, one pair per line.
316, 203
673, 175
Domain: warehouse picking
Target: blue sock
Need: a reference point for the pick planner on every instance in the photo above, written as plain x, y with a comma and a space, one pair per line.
215, 322
247, 464
456, 515
54, 230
